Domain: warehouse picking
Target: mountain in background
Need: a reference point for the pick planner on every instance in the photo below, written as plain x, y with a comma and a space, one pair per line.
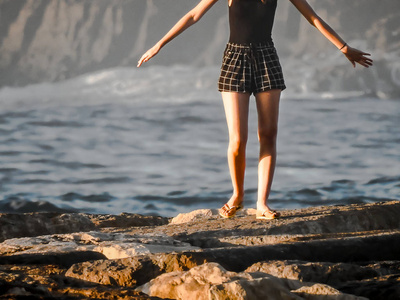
51, 40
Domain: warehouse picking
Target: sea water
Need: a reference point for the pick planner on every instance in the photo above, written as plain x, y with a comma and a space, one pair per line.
153, 141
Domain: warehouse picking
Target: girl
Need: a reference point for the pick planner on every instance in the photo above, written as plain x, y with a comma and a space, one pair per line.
251, 66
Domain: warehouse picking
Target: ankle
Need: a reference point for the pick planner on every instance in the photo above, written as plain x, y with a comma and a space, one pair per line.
262, 205
236, 199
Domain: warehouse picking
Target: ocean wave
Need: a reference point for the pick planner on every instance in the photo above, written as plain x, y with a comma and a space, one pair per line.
177, 84
20, 205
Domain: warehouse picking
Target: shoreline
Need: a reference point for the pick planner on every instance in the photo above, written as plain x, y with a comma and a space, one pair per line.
347, 252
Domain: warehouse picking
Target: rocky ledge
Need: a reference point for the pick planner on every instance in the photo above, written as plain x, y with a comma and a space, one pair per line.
332, 252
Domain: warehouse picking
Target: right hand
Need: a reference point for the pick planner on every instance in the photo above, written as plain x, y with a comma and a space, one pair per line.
149, 54
357, 56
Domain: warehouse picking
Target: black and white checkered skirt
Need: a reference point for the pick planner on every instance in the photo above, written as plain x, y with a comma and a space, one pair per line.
250, 68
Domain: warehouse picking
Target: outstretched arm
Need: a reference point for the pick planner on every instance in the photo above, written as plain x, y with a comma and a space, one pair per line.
188, 20
352, 54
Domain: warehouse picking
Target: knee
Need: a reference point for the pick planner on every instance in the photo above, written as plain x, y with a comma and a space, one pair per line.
237, 145
267, 136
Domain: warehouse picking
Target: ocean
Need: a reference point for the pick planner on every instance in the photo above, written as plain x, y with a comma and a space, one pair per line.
153, 141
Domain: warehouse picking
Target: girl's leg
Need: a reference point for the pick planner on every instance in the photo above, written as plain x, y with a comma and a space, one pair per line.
268, 110
236, 107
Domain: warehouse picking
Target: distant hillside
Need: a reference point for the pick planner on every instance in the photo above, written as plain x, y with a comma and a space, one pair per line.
50, 40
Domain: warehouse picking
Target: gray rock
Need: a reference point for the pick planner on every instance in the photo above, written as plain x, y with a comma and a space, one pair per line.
200, 214
35, 224
111, 245
373, 248
383, 287
63, 259
193, 216
126, 272
126, 220
307, 245
318, 222
211, 281
47, 282
133, 271
323, 292
321, 272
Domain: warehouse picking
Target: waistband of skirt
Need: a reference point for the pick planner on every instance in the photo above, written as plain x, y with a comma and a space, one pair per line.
249, 46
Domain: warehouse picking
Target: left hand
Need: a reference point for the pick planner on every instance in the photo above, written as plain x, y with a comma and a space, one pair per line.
149, 54
356, 56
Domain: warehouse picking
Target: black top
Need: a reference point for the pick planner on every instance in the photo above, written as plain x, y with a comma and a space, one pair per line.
251, 21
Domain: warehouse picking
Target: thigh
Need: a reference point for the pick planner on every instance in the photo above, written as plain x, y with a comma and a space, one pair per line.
236, 107
268, 110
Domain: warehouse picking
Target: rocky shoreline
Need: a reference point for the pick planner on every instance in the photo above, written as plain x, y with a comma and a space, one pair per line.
331, 252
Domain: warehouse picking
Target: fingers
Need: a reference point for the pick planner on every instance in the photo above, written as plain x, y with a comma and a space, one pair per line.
369, 60
149, 54
362, 62
143, 59
365, 61
359, 57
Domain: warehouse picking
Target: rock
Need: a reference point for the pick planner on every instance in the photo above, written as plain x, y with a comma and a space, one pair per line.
266, 287
47, 282
352, 249
211, 281
238, 259
321, 272
318, 222
105, 293
123, 250
63, 259
383, 287
34, 224
125, 245
18, 292
193, 284
126, 220
193, 216
323, 292
371, 281
129, 272
199, 214
355, 249
111, 245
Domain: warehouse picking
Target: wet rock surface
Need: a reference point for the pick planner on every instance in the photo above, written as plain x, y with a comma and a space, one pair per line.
337, 252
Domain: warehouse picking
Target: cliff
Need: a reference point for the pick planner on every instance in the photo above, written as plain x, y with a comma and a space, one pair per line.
50, 40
